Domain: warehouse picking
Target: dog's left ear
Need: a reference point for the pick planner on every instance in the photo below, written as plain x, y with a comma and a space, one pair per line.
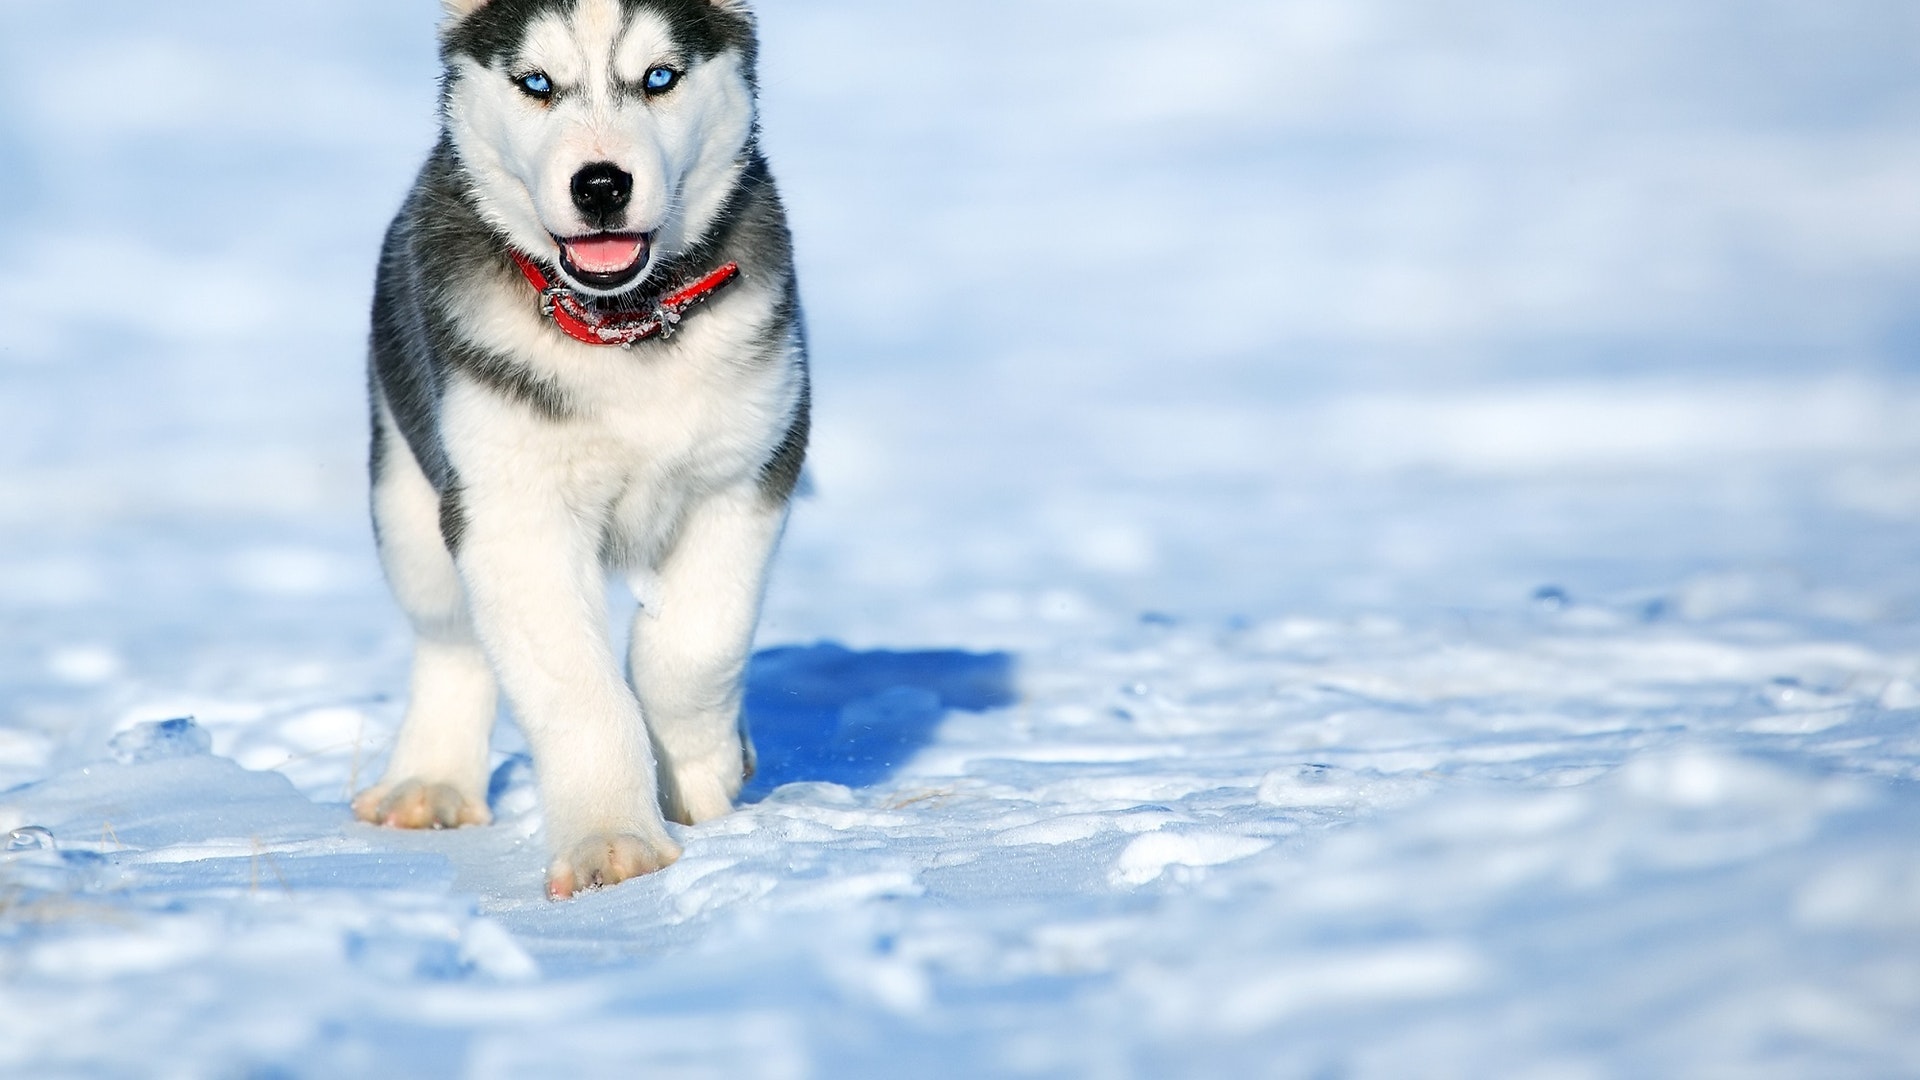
731, 7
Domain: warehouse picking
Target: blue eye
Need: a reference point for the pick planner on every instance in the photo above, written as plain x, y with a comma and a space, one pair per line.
536, 84
661, 79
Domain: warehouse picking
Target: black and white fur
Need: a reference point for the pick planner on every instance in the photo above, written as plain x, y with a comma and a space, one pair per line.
514, 468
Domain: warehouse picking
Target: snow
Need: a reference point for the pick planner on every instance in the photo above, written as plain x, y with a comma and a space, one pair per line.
1351, 539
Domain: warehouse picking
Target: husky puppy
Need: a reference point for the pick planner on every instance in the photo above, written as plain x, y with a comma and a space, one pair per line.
587, 358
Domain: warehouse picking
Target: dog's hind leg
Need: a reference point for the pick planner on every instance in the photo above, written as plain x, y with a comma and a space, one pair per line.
436, 777
691, 642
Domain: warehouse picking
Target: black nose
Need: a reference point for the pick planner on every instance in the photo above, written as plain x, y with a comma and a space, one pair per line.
602, 190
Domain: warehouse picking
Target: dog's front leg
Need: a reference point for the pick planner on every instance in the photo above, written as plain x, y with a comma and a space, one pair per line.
437, 776
533, 575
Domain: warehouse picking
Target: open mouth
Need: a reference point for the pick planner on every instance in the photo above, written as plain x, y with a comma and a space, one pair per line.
605, 261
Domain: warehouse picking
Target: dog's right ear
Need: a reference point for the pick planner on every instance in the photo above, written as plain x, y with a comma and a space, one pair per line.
460, 9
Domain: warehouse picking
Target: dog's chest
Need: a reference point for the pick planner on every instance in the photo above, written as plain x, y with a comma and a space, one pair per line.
647, 429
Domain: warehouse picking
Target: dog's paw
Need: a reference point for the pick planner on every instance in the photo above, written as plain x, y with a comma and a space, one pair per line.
699, 798
415, 804
696, 794
600, 862
693, 793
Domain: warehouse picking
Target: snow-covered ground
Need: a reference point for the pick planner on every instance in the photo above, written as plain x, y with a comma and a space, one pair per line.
1353, 538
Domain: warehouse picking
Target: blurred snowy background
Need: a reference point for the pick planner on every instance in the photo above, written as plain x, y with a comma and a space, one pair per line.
1448, 472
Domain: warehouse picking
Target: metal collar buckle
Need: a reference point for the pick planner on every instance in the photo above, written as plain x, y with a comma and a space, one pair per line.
551, 296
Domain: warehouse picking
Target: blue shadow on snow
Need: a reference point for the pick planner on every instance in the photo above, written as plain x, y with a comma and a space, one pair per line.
827, 713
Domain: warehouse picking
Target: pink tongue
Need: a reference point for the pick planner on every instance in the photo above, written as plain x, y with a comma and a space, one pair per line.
606, 255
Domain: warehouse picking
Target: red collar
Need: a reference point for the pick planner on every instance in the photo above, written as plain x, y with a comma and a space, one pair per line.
582, 323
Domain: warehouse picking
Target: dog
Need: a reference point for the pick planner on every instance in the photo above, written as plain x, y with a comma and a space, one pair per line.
587, 358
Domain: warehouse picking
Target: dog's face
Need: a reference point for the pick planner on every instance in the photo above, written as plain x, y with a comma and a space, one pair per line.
601, 135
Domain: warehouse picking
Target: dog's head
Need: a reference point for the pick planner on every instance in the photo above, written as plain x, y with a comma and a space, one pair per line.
603, 135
